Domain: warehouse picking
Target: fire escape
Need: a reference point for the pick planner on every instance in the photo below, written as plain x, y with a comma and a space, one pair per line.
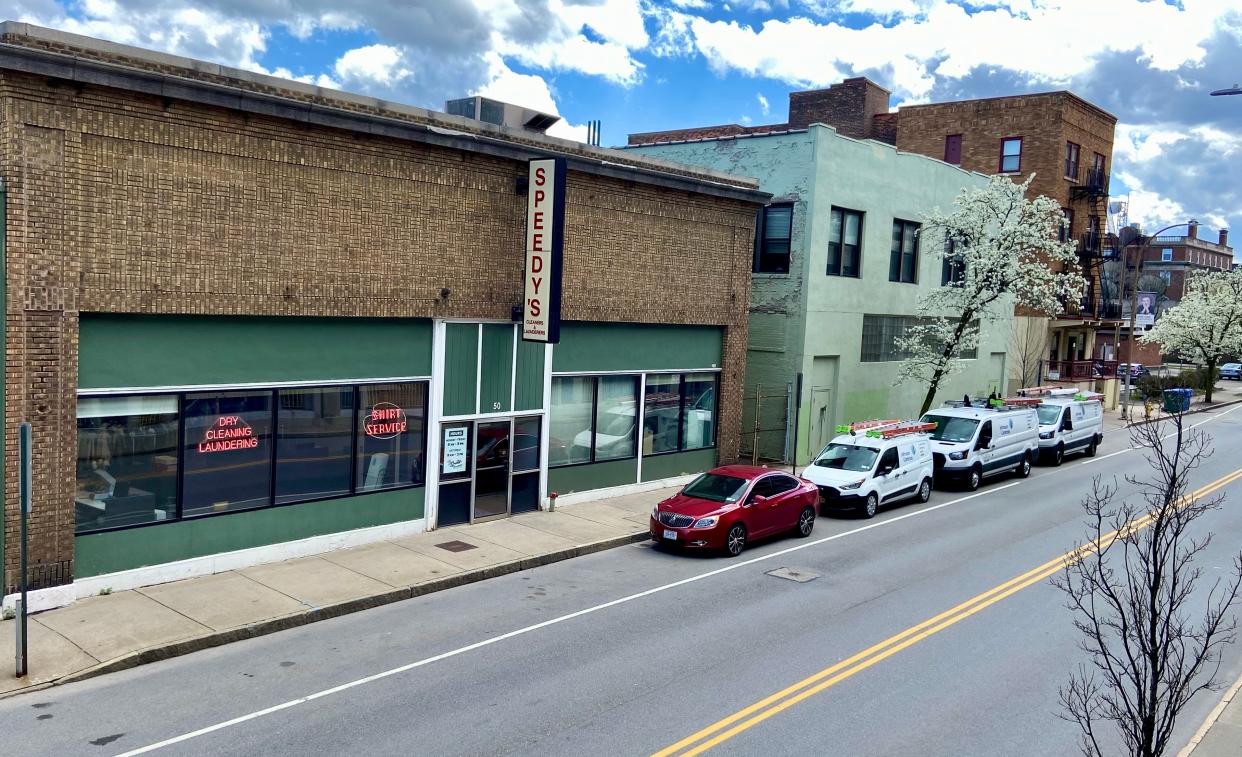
1091, 188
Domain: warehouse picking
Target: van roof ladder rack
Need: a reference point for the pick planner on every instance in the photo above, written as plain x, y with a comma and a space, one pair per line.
855, 427
901, 428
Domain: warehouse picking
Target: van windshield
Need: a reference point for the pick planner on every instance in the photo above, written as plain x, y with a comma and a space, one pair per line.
847, 457
950, 429
1049, 414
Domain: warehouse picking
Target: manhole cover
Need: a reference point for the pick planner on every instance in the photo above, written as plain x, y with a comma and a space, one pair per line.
797, 575
456, 546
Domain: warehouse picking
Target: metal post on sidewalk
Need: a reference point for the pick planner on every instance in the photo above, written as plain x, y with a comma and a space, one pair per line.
24, 495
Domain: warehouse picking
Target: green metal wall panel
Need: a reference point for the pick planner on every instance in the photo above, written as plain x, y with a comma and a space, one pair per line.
529, 375
636, 347
581, 478
461, 364
496, 374
95, 554
143, 350
678, 464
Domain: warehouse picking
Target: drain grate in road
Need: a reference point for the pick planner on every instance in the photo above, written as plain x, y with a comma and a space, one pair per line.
456, 546
797, 575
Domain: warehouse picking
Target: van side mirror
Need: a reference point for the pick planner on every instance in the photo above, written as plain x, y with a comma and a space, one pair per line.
983, 443
885, 470
1068, 425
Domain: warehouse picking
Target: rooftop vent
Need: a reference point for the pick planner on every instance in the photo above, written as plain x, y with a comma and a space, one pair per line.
501, 114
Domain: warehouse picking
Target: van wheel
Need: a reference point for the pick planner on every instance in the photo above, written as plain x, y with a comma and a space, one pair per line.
1058, 455
925, 490
869, 508
975, 478
1024, 467
1092, 446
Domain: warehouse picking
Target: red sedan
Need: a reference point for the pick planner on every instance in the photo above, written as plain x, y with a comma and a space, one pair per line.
726, 507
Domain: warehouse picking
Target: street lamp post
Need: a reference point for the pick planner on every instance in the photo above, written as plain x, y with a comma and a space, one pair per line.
1143, 242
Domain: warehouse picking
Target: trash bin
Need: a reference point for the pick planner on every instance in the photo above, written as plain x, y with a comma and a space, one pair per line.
1177, 400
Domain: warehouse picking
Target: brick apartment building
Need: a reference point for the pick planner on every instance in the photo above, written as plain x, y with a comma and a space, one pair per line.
250, 318
1065, 140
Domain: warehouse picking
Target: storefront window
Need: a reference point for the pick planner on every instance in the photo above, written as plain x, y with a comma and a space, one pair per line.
662, 408
699, 421
526, 443
127, 461
314, 443
227, 453
572, 398
616, 417
391, 435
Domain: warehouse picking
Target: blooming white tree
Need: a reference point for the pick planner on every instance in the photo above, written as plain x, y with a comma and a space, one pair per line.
1001, 249
1206, 326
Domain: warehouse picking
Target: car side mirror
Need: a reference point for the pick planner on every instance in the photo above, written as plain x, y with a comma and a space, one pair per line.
758, 499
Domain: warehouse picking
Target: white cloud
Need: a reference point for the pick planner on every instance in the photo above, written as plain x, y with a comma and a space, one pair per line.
381, 64
692, 4
763, 104
529, 91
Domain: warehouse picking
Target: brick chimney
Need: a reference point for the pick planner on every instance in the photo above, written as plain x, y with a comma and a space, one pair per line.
1193, 232
850, 106
1224, 238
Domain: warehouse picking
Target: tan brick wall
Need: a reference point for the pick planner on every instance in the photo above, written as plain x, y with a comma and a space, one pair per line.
125, 203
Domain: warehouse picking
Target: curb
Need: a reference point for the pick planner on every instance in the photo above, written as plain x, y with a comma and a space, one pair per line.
1217, 406
1212, 717
316, 614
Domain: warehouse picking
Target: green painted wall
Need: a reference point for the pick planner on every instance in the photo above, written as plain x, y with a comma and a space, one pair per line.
461, 363
496, 384
679, 464
142, 350
529, 375
817, 170
636, 347
95, 554
579, 478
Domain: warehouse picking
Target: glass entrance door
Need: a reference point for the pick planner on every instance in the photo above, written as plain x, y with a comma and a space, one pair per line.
491, 469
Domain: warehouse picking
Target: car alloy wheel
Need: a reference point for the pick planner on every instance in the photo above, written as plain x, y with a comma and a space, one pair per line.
806, 521
872, 505
735, 541
925, 490
976, 478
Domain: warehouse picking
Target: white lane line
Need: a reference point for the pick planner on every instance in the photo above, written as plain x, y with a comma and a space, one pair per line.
1210, 418
550, 622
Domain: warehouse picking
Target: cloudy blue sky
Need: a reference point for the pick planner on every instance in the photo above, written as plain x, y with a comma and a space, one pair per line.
643, 65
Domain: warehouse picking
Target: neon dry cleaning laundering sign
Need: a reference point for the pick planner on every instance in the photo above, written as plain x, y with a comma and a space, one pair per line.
545, 221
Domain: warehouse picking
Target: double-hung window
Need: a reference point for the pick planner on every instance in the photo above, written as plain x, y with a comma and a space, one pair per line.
953, 269
1072, 151
845, 243
1011, 155
772, 243
903, 262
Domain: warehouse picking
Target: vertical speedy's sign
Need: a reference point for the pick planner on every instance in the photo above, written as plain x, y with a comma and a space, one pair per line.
545, 221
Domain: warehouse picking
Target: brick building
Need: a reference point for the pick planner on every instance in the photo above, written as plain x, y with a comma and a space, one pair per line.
250, 318
1065, 140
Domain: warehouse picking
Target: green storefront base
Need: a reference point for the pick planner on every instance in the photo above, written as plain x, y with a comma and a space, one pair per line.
96, 554
678, 464
582, 478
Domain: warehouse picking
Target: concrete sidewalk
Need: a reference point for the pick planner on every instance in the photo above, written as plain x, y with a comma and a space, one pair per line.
107, 633
1221, 734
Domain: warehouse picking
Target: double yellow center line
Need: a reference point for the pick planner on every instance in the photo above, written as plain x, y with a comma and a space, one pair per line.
726, 728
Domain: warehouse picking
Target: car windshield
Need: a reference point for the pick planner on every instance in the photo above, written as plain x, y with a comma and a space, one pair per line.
1049, 414
847, 457
950, 429
717, 488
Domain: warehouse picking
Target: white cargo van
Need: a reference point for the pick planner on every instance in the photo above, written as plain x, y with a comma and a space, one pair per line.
873, 465
972, 442
1069, 423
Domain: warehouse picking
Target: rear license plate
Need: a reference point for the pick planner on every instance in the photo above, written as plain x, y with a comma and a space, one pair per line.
670, 534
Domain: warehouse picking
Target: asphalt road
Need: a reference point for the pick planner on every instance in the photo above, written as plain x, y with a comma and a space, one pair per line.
630, 651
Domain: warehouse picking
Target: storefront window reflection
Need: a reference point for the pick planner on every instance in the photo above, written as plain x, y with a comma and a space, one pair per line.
228, 463
572, 398
127, 461
616, 417
662, 408
699, 421
391, 435
314, 443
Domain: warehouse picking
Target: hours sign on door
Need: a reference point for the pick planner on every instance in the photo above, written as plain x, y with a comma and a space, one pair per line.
545, 217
